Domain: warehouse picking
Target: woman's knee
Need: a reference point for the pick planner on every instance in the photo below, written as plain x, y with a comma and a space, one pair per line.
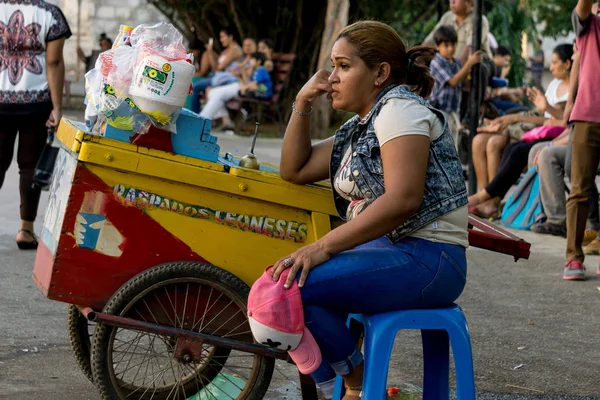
546, 158
496, 144
480, 142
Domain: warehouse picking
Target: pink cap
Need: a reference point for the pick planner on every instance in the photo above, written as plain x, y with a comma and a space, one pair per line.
277, 320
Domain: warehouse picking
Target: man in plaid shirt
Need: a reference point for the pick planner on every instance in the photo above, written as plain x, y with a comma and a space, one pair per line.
449, 75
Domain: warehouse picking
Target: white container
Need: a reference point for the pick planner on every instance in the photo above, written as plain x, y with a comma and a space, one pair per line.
151, 106
160, 81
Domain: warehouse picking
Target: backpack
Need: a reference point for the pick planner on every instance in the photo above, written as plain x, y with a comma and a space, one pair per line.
524, 205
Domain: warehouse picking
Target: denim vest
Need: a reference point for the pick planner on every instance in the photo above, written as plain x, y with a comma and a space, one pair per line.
445, 189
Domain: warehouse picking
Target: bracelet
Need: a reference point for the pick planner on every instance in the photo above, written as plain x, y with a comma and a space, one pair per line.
300, 113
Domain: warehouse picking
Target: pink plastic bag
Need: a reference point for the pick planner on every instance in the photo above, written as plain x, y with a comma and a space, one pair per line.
542, 133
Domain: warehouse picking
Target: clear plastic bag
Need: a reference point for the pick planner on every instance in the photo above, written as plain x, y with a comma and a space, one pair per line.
162, 38
156, 53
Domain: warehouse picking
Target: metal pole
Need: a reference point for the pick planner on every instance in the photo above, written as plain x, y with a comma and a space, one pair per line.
78, 39
475, 89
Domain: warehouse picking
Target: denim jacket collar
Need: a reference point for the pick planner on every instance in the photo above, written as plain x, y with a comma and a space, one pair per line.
445, 189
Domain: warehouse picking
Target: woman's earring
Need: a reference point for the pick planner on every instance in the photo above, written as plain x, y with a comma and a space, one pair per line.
378, 84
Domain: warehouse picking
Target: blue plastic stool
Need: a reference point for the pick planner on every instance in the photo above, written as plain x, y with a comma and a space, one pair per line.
439, 327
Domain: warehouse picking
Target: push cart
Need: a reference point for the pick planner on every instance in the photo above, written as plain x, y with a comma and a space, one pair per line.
155, 253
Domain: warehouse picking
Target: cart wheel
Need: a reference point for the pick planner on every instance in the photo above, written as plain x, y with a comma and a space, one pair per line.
194, 296
80, 333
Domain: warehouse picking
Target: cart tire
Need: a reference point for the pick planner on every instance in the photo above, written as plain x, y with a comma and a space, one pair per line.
169, 278
79, 330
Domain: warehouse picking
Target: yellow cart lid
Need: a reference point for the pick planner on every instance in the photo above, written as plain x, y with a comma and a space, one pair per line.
261, 185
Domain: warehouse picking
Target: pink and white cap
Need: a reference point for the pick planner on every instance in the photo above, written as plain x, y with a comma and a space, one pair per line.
277, 320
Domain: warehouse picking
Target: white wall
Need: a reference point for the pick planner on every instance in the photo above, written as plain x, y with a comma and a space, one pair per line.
98, 16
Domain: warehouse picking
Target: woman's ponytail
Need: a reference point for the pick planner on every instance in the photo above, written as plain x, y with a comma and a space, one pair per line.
418, 76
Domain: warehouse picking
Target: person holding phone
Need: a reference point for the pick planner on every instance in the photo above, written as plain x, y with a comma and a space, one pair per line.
32, 73
212, 63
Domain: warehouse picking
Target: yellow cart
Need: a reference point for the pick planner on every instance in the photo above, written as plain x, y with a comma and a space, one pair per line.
159, 250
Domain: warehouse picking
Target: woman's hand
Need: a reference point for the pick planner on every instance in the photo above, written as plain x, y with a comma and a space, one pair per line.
499, 124
305, 259
538, 98
54, 118
317, 86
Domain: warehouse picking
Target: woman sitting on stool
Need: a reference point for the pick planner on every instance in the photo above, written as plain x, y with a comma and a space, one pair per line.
398, 183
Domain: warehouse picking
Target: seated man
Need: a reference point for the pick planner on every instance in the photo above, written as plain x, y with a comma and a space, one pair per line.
258, 84
553, 163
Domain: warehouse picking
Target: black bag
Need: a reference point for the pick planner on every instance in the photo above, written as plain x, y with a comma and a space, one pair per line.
42, 176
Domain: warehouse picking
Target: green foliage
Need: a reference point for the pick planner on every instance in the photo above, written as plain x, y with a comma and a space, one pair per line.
554, 15
413, 20
296, 26
508, 21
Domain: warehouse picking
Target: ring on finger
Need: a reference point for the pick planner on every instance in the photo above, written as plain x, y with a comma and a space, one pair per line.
288, 262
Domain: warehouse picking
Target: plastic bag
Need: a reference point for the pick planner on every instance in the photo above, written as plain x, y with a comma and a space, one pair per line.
162, 72
145, 83
162, 38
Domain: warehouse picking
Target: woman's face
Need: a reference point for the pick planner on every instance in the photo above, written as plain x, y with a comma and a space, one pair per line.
560, 69
225, 39
352, 82
249, 46
263, 48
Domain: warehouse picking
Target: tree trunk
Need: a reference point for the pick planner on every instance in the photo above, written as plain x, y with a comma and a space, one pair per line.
336, 20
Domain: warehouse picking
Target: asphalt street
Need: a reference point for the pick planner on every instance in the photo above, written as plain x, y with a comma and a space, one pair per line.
534, 336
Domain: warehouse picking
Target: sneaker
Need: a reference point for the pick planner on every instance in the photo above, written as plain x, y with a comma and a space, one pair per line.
574, 271
593, 248
588, 236
548, 228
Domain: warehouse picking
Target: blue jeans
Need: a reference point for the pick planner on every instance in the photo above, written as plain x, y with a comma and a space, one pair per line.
505, 105
199, 87
376, 277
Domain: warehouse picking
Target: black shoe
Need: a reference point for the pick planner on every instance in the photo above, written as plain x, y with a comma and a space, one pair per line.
548, 228
25, 245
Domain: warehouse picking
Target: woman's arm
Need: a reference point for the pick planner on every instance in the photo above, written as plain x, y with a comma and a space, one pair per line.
55, 73
82, 57
404, 166
230, 56
541, 103
573, 87
562, 139
301, 162
555, 112
528, 119
554, 122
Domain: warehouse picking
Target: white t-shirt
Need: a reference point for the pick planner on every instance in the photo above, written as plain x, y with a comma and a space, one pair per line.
399, 117
27, 27
552, 95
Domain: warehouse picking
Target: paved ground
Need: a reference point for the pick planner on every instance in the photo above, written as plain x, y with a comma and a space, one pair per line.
534, 336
